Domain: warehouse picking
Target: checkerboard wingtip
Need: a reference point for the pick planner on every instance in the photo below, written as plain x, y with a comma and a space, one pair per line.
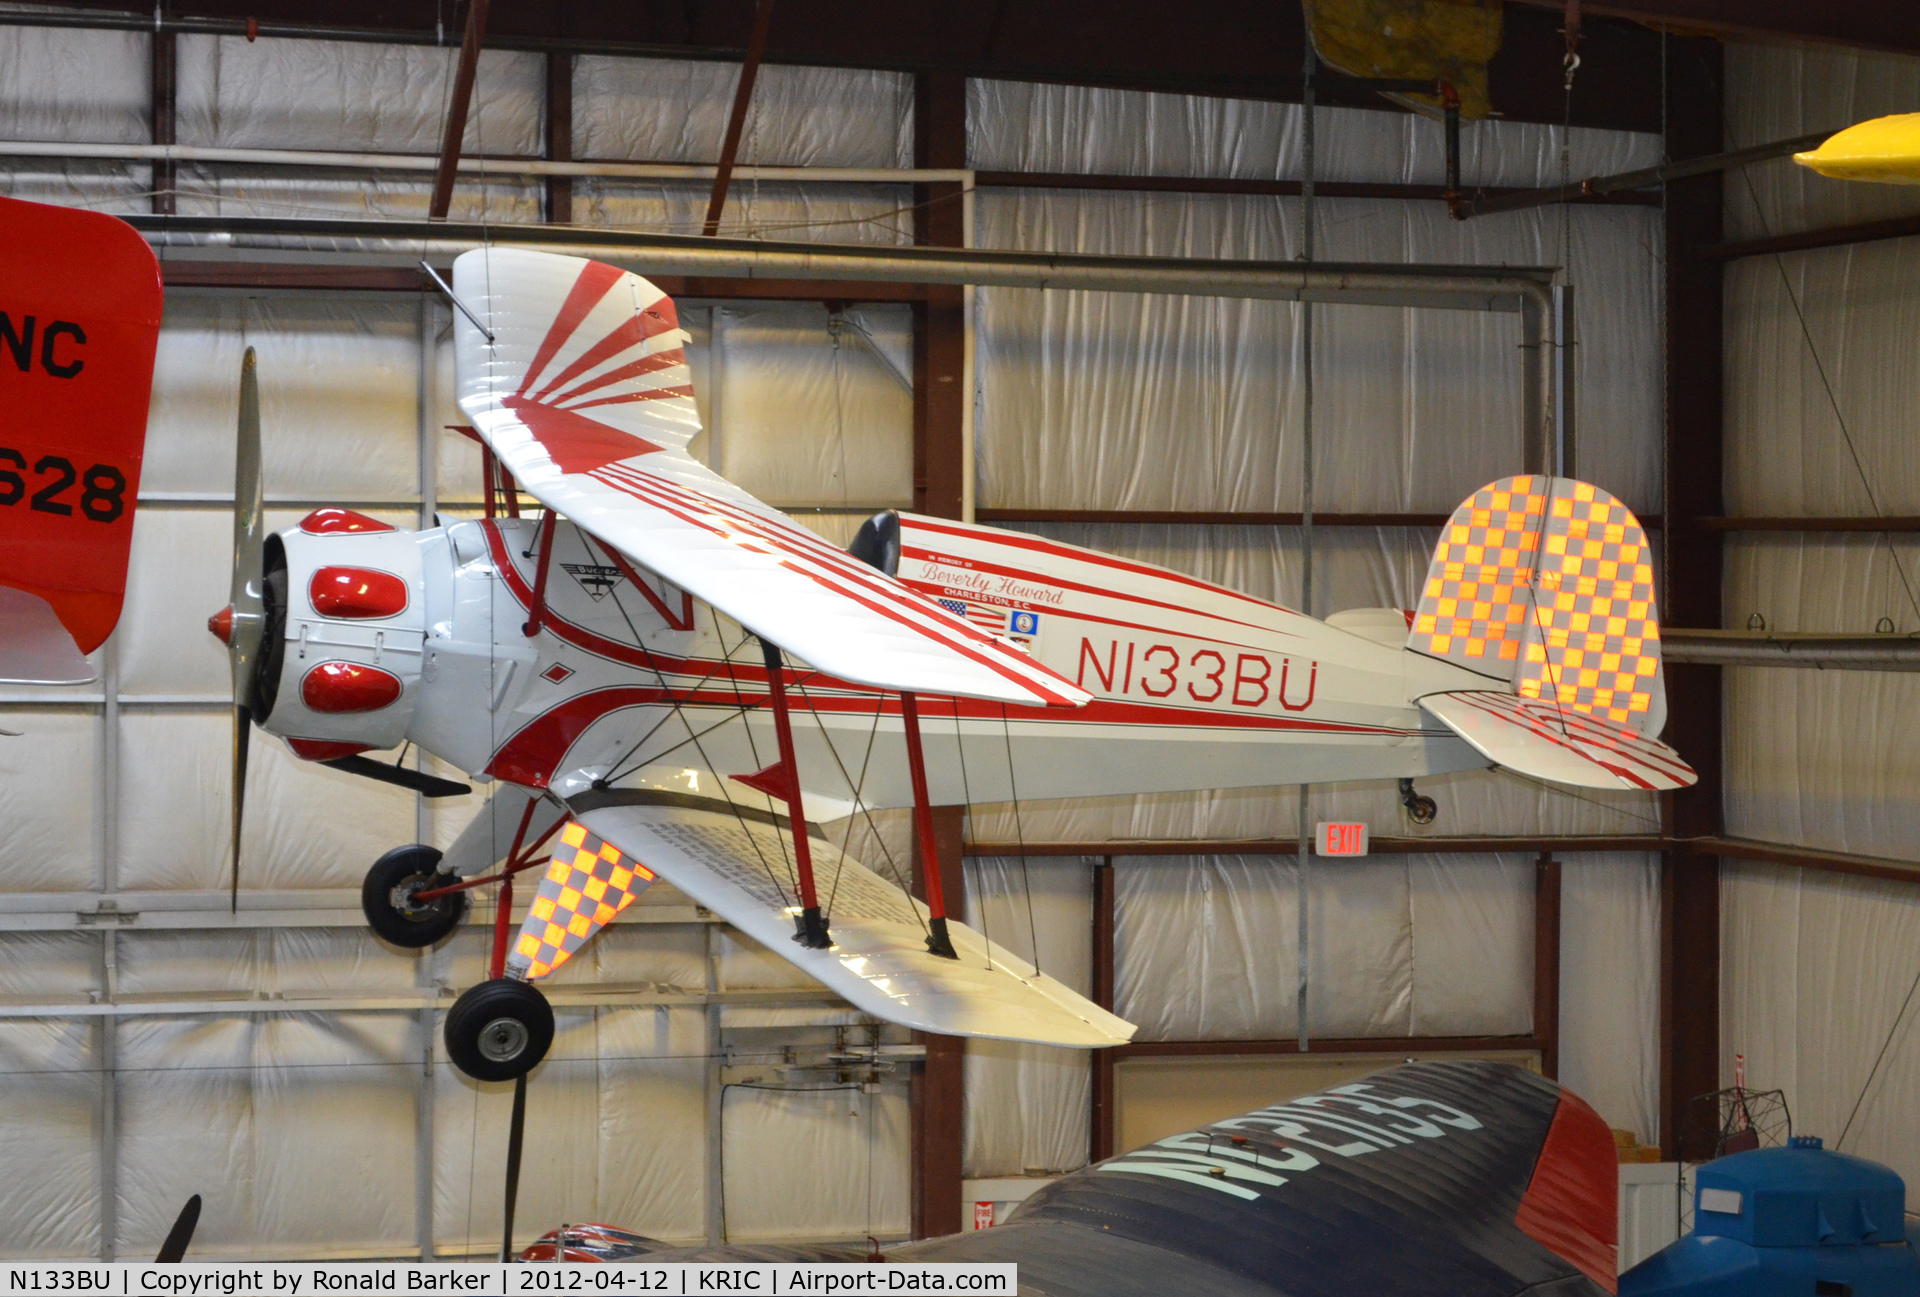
1545, 584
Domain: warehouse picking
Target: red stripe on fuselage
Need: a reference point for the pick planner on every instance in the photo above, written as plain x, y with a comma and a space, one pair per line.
1023, 540
847, 698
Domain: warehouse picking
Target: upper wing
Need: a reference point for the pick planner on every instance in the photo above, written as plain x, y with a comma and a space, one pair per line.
736, 861
1534, 737
584, 394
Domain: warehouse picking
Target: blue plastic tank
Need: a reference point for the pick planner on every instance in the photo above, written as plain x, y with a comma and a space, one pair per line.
1798, 1221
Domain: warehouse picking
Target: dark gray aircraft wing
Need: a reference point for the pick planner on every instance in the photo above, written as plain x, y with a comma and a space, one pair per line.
1442, 1179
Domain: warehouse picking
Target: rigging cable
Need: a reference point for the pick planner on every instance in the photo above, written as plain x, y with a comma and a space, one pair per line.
1020, 835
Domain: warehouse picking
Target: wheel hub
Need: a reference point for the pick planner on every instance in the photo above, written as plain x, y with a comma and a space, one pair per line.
401, 898
503, 1040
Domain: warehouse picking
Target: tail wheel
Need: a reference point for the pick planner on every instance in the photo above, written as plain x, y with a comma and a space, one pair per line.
1422, 809
499, 1030
387, 895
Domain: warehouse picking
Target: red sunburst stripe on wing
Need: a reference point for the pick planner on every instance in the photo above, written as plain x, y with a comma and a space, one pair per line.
595, 282
630, 332
806, 555
637, 369
651, 394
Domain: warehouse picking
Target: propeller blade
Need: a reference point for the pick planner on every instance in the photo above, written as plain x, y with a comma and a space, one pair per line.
182, 1232
242, 732
249, 541
248, 607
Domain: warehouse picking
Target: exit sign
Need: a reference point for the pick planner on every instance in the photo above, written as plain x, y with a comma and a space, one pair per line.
1341, 840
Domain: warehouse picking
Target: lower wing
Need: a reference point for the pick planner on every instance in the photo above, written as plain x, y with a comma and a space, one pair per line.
1531, 736
736, 860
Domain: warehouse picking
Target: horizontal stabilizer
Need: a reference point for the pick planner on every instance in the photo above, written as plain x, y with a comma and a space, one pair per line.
737, 862
35, 648
1531, 737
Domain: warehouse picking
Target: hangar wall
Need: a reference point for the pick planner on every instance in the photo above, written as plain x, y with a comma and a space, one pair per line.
331, 1128
1817, 968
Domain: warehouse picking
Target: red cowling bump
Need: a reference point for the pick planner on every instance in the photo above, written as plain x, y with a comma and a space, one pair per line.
1572, 1205
336, 522
348, 687
357, 592
325, 749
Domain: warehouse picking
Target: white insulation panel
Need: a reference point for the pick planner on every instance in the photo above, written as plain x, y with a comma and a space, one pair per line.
310, 1132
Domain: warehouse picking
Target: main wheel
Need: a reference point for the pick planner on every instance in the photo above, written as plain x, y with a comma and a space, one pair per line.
499, 1030
387, 898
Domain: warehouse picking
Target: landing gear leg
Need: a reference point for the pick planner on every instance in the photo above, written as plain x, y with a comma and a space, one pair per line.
1421, 809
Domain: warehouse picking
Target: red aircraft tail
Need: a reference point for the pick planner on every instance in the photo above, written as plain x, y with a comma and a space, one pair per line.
79, 322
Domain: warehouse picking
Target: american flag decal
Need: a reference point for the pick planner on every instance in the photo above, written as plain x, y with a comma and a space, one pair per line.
988, 618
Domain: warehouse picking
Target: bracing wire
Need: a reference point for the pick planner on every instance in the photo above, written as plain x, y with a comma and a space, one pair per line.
1880, 1058
1833, 401
1020, 836
859, 802
966, 796
720, 781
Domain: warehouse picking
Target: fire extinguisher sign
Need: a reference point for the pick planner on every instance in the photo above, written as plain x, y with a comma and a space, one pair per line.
982, 1215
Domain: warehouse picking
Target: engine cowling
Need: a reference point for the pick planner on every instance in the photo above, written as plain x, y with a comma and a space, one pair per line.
346, 629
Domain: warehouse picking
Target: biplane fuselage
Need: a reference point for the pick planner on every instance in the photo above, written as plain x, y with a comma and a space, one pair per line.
1194, 686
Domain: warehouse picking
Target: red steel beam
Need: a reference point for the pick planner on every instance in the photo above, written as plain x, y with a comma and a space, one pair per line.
164, 85
1690, 878
737, 120
1101, 1138
935, 1089
1831, 236
559, 135
1546, 962
1830, 862
457, 109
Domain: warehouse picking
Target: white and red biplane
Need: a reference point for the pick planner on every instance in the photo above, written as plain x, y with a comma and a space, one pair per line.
666, 675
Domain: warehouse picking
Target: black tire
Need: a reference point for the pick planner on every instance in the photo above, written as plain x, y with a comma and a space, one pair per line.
499, 1030
1422, 810
385, 898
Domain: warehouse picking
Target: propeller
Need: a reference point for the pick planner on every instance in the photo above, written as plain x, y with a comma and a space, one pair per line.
183, 1225
246, 613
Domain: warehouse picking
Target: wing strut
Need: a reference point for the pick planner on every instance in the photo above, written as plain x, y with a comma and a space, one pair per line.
937, 940
811, 927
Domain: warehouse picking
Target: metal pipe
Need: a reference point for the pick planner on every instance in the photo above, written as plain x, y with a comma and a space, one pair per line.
426, 162
1645, 178
1453, 287
1817, 651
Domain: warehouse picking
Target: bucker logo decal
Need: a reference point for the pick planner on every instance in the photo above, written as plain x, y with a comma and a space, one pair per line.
1346, 1121
596, 580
